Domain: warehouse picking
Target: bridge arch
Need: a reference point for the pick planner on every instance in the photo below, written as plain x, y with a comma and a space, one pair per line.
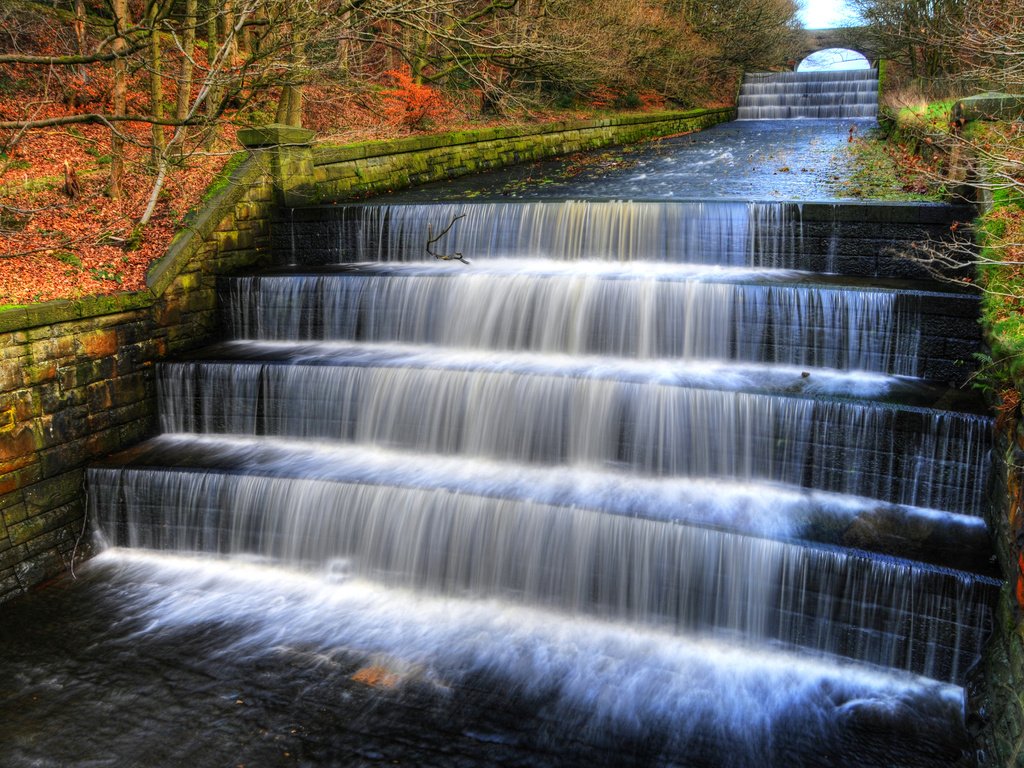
833, 59
856, 39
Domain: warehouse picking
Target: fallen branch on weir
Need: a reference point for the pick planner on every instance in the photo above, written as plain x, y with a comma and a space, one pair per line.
431, 240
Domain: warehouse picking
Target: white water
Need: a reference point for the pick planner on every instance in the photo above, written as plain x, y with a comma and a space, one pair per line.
632, 312
828, 94
724, 233
601, 674
897, 614
590, 416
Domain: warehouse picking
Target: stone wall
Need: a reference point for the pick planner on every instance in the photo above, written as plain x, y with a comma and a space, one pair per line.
997, 696
343, 173
76, 377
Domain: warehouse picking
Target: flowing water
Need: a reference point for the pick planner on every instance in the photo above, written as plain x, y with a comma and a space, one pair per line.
830, 94
634, 486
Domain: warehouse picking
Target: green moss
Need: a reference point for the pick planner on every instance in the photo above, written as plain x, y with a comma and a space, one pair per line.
933, 117
223, 179
877, 174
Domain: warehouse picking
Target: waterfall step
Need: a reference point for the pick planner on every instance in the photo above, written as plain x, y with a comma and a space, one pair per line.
788, 95
771, 379
895, 613
756, 88
764, 510
814, 99
610, 413
859, 239
633, 310
835, 75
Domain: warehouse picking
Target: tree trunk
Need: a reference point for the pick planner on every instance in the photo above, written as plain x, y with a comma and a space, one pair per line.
188, 44
80, 36
119, 97
227, 23
213, 96
289, 106
156, 81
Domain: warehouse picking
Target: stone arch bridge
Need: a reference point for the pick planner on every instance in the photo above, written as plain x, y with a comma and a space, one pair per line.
854, 38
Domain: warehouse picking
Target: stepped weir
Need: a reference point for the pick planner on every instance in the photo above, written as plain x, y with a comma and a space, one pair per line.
829, 94
565, 482
649, 415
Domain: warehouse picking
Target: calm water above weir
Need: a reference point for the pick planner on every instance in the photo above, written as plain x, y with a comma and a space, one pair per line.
666, 484
742, 160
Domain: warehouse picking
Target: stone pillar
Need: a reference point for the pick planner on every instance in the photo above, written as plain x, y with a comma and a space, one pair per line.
289, 151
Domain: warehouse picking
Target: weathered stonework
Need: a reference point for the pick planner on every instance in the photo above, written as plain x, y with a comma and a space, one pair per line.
997, 703
990, 106
76, 377
344, 173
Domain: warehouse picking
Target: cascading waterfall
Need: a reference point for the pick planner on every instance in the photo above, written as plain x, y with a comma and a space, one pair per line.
647, 313
686, 578
626, 446
629, 416
721, 233
827, 94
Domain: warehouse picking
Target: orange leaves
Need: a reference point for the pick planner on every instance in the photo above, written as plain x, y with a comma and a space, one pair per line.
603, 97
651, 101
376, 677
410, 104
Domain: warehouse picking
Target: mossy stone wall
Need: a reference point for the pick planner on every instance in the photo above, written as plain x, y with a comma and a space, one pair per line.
77, 377
344, 173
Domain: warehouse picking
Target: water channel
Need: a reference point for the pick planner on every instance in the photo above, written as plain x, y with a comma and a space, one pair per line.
673, 472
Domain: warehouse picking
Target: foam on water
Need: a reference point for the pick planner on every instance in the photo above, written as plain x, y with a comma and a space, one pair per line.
598, 675
711, 314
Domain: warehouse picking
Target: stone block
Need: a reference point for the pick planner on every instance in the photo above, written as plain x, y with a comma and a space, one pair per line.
990, 106
42, 497
274, 135
95, 344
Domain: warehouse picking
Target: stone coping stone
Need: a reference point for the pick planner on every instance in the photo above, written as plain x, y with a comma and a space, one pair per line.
326, 154
274, 135
990, 106
66, 310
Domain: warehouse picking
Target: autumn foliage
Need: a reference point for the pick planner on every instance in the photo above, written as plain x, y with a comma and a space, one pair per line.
410, 104
116, 114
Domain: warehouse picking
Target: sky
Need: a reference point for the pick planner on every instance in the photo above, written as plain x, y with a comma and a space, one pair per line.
822, 14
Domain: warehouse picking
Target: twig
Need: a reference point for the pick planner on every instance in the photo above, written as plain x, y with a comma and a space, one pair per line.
431, 240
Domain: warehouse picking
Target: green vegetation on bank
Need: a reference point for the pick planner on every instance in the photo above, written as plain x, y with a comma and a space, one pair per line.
880, 170
926, 144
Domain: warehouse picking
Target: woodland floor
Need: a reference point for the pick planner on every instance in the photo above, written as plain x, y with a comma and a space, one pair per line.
53, 246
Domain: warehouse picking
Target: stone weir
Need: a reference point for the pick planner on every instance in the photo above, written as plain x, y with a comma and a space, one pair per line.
655, 437
829, 94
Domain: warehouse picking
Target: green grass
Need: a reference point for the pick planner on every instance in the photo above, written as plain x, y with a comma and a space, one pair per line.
877, 173
933, 117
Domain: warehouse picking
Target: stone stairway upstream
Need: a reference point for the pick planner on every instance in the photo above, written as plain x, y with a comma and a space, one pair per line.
828, 94
727, 424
